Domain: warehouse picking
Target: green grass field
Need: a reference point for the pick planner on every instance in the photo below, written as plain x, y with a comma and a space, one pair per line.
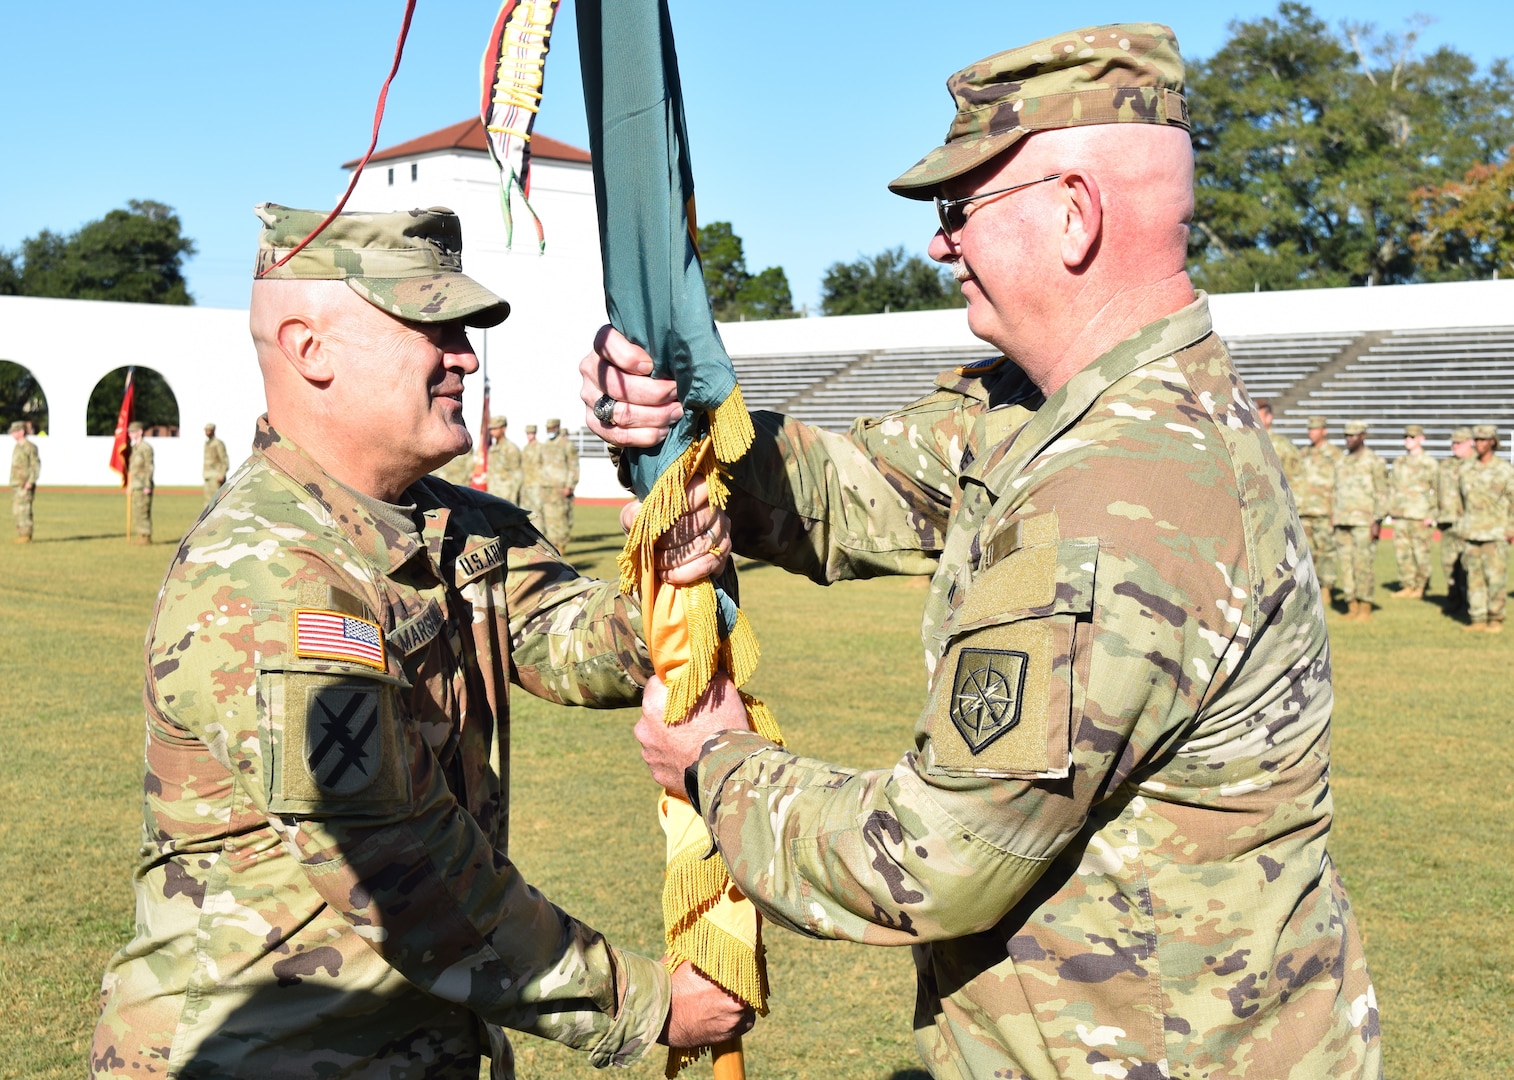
1424, 788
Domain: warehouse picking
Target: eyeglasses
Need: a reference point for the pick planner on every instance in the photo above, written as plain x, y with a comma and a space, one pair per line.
953, 212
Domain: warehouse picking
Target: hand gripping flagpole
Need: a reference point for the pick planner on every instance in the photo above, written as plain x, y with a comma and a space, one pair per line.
655, 295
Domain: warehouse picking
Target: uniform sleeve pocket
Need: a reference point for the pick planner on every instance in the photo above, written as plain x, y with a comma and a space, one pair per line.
331, 743
1002, 697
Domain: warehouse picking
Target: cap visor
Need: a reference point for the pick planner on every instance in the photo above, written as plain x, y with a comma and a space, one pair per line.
433, 298
923, 180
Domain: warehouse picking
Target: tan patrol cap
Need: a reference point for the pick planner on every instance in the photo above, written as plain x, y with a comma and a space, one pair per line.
1413, 431
497, 422
1485, 431
408, 263
1461, 434
1122, 73
553, 423
135, 425
1356, 427
1317, 423
530, 429
18, 426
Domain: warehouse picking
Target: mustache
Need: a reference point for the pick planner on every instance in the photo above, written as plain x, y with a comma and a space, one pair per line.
959, 270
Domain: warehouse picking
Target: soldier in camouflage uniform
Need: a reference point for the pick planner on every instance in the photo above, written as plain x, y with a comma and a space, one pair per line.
1486, 524
324, 888
1315, 495
26, 466
1413, 502
139, 484
1287, 453
1361, 500
1448, 486
1108, 845
458, 471
217, 464
558, 476
530, 471
504, 462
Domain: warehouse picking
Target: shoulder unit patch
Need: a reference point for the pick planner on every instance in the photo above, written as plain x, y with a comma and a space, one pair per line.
988, 692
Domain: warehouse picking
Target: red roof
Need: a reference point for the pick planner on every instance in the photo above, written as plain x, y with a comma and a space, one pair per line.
469, 135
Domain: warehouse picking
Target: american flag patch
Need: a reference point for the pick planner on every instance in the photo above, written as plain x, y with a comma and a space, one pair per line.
330, 635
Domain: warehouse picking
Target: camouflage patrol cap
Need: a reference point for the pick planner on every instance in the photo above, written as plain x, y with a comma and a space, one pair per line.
530, 429
18, 425
1485, 431
408, 263
1356, 427
497, 421
1317, 423
1413, 431
134, 426
553, 423
1461, 434
1126, 73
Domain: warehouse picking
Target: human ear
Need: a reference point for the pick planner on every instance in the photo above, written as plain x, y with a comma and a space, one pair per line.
1082, 217
304, 348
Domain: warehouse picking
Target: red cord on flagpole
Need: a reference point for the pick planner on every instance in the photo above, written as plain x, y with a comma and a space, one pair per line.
378, 117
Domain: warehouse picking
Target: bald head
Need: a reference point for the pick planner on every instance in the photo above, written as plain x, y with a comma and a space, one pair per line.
377, 400
1058, 272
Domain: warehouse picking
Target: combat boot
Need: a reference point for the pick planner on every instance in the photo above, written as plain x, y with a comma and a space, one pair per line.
1475, 628
1364, 611
1494, 627
1405, 591
23, 539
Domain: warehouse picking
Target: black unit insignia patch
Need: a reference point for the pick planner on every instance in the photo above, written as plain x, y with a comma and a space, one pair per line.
987, 694
343, 743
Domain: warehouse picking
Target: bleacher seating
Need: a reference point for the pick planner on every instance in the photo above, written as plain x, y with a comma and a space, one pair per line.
1439, 378
1272, 364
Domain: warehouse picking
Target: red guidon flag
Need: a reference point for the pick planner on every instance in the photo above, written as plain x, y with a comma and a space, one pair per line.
118, 447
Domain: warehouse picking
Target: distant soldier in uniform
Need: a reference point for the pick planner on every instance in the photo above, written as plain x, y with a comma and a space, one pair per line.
1315, 495
504, 462
1287, 453
26, 466
1361, 499
324, 888
530, 471
559, 476
1448, 484
1487, 524
1106, 843
217, 464
1413, 503
139, 484
458, 471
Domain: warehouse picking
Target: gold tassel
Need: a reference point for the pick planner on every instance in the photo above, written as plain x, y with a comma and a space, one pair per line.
731, 427
688, 686
763, 721
725, 960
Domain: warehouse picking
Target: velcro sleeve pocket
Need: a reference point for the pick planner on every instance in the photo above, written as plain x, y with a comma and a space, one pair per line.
1002, 698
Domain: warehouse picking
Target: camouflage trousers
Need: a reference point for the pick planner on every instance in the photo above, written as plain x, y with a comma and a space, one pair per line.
1487, 566
1451, 548
1354, 551
141, 514
1322, 546
211, 488
557, 518
1411, 547
21, 508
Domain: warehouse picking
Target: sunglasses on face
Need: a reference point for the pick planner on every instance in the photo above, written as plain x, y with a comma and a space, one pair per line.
953, 212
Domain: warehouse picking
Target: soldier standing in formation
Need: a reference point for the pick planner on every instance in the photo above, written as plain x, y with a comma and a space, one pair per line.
530, 471
1412, 503
139, 484
559, 476
1106, 841
217, 464
1448, 485
1361, 495
1315, 496
458, 471
26, 466
504, 462
1287, 453
1486, 523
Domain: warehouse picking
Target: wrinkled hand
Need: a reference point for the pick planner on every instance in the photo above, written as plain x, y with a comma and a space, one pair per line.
697, 546
668, 751
645, 408
703, 1013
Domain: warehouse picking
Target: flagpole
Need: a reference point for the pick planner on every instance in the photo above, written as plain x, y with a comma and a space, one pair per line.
728, 1060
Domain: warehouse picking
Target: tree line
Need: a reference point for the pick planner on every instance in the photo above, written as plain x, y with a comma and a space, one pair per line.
1324, 157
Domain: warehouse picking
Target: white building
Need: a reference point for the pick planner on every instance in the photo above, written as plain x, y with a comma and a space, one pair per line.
557, 300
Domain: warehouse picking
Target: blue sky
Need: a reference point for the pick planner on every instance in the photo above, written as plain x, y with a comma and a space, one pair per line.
799, 114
